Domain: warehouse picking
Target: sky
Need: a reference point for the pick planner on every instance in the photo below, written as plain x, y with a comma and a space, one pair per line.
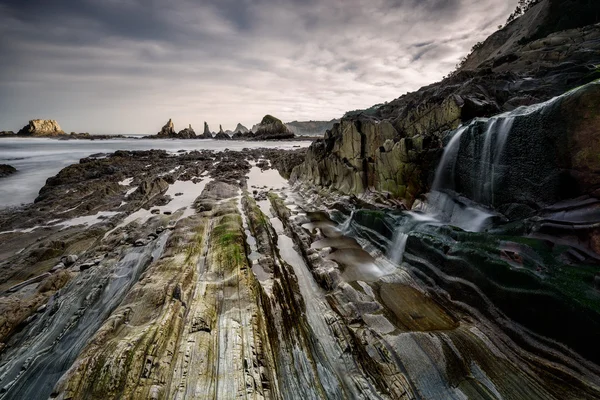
127, 66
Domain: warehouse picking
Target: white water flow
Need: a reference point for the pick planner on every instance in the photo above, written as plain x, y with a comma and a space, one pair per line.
445, 205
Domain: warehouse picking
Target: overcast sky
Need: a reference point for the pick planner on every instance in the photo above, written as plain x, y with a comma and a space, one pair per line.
127, 66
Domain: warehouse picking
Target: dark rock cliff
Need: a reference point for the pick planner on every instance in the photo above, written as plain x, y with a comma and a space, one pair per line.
396, 148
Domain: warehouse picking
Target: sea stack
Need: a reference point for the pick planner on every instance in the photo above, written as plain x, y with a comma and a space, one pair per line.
222, 135
167, 131
187, 133
241, 128
271, 128
206, 133
41, 127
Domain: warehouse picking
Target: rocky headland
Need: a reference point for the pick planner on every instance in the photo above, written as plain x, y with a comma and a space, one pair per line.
444, 245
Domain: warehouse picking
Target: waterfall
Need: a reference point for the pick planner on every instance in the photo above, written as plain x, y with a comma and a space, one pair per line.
462, 194
444, 174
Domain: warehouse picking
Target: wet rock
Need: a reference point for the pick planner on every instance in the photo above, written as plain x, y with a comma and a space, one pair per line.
6, 170
58, 267
28, 282
69, 260
86, 266
140, 243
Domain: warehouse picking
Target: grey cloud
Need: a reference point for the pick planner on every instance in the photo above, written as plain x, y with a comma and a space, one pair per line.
126, 66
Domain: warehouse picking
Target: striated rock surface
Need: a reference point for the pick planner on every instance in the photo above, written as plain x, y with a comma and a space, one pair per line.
41, 127
256, 289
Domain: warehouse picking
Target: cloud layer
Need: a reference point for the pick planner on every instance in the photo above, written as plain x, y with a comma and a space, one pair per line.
126, 66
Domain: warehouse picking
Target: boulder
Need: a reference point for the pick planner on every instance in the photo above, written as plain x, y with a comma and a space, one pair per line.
6, 170
41, 127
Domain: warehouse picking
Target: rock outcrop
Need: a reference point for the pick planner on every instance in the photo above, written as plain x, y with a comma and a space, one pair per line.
6, 170
221, 135
187, 133
167, 131
241, 128
41, 127
271, 128
311, 128
206, 133
512, 68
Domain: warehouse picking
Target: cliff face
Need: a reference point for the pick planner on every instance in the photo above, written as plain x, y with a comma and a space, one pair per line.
510, 69
41, 127
310, 128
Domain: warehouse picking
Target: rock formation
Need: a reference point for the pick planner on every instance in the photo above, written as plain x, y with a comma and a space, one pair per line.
167, 131
310, 128
395, 148
6, 170
41, 127
247, 287
271, 128
240, 128
206, 133
222, 136
187, 133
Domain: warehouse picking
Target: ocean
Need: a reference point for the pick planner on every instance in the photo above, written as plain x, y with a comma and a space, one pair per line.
37, 159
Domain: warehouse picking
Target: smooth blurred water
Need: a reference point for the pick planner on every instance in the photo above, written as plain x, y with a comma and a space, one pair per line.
37, 159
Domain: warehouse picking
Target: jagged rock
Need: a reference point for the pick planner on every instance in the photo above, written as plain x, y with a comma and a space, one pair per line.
187, 133
241, 128
311, 128
167, 131
514, 67
243, 136
271, 128
222, 136
6, 170
206, 133
41, 127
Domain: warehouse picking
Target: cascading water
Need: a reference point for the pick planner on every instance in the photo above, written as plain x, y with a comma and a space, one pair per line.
487, 138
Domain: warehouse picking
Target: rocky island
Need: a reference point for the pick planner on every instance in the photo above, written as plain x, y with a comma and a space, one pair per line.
443, 245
